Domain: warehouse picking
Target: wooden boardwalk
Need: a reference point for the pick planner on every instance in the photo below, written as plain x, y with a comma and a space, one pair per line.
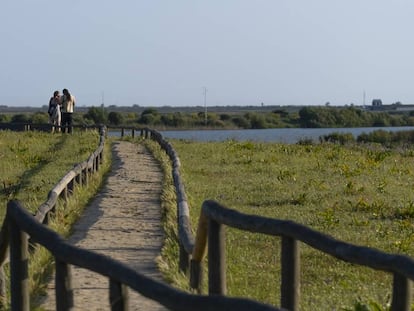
124, 223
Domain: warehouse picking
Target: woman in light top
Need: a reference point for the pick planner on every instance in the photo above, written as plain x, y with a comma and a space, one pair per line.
68, 105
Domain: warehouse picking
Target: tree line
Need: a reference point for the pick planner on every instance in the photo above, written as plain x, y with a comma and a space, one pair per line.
306, 117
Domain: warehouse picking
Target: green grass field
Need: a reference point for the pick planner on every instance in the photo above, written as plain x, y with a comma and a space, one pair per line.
31, 165
359, 194
33, 162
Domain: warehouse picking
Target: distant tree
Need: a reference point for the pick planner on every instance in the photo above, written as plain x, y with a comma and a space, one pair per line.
176, 119
283, 113
20, 118
149, 111
241, 122
115, 118
97, 115
257, 121
4, 118
308, 117
40, 118
150, 116
225, 117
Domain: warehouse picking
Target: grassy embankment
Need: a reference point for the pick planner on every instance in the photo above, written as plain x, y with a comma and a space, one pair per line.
359, 194
31, 164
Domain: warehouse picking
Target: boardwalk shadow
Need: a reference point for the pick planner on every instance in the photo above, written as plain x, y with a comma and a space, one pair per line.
123, 222
92, 212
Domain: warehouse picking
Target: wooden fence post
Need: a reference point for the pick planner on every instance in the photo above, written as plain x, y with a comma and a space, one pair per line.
79, 179
184, 259
290, 286
96, 163
133, 133
19, 274
71, 186
401, 293
100, 158
122, 132
216, 259
63, 286
85, 176
2, 288
196, 275
64, 193
118, 296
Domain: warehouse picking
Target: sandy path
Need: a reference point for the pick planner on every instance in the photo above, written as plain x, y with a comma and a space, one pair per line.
124, 223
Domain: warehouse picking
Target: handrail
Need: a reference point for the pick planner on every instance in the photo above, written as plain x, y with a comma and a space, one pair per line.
185, 235
117, 272
19, 225
25, 126
210, 228
213, 215
79, 174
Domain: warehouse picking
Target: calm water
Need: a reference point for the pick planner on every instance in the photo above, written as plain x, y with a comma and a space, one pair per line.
285, 135
290, 135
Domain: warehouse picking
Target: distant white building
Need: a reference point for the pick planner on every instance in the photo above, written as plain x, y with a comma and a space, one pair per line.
376, 102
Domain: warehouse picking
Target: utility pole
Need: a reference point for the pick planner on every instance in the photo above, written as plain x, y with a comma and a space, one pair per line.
205, 106
102, 105
364, 99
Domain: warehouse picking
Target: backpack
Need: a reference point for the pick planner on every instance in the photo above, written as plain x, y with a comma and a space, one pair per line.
51, 107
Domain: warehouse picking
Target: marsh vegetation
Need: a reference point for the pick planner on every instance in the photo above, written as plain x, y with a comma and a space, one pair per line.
358, 193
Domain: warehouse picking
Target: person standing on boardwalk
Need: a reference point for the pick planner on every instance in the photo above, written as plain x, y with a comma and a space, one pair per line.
54, 111
68, 105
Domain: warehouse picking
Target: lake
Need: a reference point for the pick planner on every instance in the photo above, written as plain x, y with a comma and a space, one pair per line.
282, 135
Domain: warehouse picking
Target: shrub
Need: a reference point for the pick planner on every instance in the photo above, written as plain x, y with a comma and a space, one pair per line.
115, 118
97, 115
20, 118
336, 137
4, 118
241, 122
40, 118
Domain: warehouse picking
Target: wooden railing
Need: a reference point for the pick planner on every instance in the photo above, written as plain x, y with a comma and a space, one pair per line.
185, 235
79, 174
131, 130
19, 226
211, 223
210, 228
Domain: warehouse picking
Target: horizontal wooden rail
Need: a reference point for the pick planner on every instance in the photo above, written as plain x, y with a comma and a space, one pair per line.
213, 216
210, 228
44, 127
185, 235
25, 223
213, 213
78, 175
24, 226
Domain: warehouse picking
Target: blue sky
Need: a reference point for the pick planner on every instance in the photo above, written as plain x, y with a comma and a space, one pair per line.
163, 53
